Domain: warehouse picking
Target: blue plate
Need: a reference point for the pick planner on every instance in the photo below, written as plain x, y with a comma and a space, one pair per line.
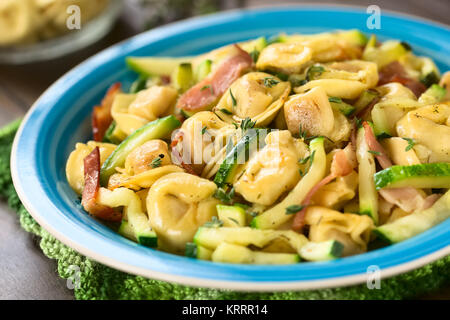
60, 118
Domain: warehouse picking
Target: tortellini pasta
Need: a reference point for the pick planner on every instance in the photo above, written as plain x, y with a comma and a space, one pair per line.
143, 166
347, 79
312, 112
276, 165
430, 127
284, 57
256, 95
75, 162
177, 205
352, 230
132, 111
327, 46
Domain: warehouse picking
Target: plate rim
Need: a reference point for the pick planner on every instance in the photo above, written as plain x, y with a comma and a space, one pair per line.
202, 282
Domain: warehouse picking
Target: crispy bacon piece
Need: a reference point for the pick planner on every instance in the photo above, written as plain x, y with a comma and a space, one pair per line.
198, 97
341, 166
395, 72
374, 145
91, 187
101, 116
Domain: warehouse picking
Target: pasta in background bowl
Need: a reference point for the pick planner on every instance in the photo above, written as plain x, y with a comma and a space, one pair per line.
34, 30
127, 179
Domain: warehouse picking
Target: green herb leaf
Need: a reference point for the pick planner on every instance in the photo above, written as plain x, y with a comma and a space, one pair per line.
294, 209
247, 123
156, 162
214, 223
301, 132
207, 87
314, 71
233, 99
270, 82
204, 130
226, 111
410, 145
234, 220
377, 153
225, 197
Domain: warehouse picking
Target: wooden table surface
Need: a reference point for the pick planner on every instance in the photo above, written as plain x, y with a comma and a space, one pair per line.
26, 272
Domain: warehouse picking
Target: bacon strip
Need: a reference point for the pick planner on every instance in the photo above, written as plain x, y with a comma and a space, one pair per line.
395, 72
101, 116
207, 91
341, 166
91, 187
374, 145
408, 199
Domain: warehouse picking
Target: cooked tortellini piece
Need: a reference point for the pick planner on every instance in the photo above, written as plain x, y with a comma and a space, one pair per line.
178, 204
143, 166
352, 230
312, 112
347, 79
430, 127
132, 111
257, 95
141, 158
204, 137
392, 90
327, 46
75, 162
284, 57
276, 165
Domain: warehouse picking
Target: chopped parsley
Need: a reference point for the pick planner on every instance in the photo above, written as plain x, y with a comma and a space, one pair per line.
226, 111
314, 71
294, 208
156, 162
247, 123
204, 130
410, 145
225, 197
358, 122
270, 82
309, 158
303, 134
233, 99
377, 153
214, 223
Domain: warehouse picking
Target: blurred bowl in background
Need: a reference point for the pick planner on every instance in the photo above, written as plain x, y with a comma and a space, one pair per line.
90, 32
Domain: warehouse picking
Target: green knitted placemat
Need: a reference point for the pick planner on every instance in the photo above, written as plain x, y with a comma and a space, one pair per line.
101, 282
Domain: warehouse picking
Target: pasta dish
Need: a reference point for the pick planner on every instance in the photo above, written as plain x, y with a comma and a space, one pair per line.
272, 151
